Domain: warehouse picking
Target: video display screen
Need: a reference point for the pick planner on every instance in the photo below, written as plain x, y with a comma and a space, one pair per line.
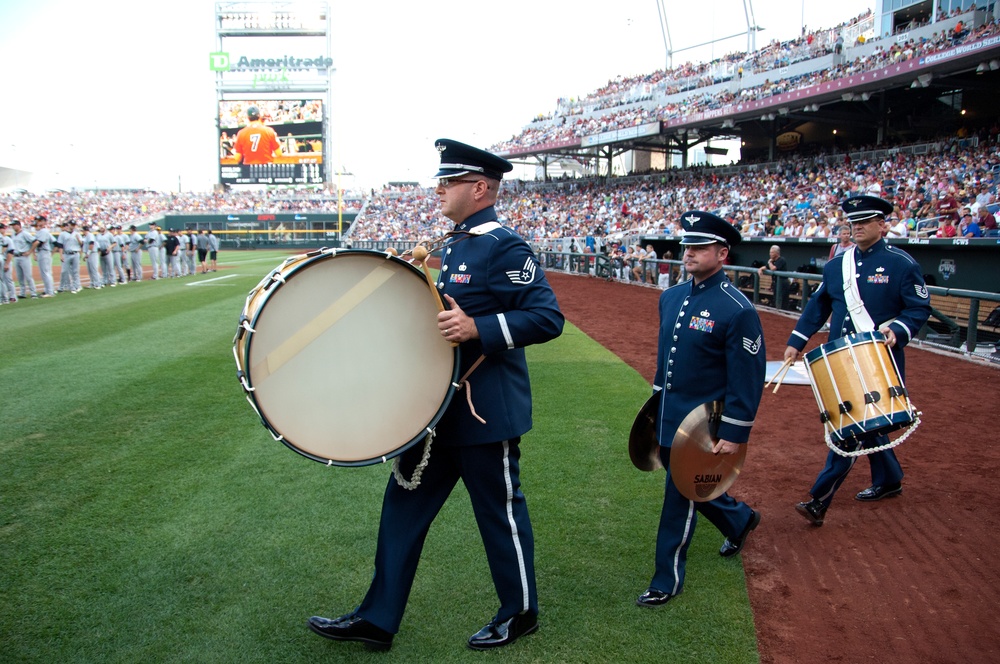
271, 141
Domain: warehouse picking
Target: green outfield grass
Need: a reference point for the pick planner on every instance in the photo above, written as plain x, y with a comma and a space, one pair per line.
147, 516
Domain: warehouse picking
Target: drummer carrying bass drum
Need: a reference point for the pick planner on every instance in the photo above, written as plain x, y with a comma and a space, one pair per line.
499, 301
892, 295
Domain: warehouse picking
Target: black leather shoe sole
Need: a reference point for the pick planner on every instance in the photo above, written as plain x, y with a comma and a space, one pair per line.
349, 634
653, 599
814, 519
521, 625
871, 494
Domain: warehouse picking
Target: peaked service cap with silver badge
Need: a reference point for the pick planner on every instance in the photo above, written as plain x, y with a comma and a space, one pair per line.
461, 159
702, 227
863, 208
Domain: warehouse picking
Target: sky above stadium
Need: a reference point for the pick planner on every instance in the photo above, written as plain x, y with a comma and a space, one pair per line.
114, 93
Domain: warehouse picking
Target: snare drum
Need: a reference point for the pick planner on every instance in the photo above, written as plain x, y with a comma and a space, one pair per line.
858, 388
340, 355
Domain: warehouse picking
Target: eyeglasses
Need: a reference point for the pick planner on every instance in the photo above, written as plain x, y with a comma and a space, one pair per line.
447, 182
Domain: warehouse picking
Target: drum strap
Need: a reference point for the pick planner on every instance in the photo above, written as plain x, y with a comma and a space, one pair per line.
852, 297
464, 382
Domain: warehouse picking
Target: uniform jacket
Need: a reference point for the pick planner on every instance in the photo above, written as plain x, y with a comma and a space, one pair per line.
711, 347
496, 279
891, 288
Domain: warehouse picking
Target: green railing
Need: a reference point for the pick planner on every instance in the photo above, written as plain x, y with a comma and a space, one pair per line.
748, 279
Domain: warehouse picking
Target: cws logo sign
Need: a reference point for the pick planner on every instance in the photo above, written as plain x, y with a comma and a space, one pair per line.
218, 61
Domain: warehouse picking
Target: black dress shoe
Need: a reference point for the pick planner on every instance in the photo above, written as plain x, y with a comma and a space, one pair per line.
874, 493
733, 546
500, 633
653, 597
813, 511
352, 628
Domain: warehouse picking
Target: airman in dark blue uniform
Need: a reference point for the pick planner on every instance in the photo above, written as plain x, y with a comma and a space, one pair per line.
895, 296
711, 347
499, 301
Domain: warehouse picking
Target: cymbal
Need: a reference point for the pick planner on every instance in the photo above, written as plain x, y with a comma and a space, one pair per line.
697, 473
643, 447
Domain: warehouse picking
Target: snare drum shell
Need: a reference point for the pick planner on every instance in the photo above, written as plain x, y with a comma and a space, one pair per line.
345, 363
834, 369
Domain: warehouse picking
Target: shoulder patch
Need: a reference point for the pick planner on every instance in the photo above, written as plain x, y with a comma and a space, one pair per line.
921, 291
525, 275
752, 347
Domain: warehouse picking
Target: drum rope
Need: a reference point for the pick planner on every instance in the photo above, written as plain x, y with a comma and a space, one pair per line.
892, 443
418, 472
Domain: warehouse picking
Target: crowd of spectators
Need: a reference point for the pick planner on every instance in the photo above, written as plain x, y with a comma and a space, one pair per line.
688, 76
128, 207
797, 197
570, 123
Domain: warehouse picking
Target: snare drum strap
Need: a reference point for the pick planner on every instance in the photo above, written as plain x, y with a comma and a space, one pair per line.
852, 297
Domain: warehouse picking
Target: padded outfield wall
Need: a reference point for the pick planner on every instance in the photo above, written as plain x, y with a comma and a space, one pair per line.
252, 230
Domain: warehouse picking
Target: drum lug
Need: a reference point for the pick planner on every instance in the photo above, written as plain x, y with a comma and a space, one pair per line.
872, 397
824, 416
845, 407
897, 391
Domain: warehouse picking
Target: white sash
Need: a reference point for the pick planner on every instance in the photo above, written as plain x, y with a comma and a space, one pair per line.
855, 307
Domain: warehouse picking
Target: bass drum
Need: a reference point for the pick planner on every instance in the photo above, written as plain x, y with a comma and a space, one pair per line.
339, 353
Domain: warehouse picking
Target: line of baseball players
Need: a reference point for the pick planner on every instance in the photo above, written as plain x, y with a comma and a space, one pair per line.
111, 255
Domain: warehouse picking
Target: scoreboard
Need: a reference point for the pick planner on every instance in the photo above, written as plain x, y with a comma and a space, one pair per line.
300, 128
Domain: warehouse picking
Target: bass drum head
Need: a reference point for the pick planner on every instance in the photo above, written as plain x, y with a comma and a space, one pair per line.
346, 362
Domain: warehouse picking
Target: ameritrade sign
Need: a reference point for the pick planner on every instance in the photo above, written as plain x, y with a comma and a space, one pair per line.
221, 61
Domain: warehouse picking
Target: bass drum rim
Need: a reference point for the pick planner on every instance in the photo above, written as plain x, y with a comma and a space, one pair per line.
266, 290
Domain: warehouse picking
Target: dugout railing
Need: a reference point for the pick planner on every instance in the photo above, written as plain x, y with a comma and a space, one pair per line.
960, 319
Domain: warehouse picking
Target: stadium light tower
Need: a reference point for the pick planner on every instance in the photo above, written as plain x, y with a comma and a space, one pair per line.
750, 32
668, 45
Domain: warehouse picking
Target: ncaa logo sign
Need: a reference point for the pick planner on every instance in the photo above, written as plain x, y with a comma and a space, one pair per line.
219, 61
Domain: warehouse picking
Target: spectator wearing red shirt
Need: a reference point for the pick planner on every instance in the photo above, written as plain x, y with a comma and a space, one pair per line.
947, 206
987, 222
947, 228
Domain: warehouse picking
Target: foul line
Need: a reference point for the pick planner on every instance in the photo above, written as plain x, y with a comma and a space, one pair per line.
208, 281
